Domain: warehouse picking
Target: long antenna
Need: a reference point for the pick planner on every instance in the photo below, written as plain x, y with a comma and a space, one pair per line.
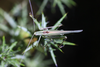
33, 25
32, 13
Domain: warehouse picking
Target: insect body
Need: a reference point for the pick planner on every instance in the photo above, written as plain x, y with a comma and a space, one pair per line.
56, 32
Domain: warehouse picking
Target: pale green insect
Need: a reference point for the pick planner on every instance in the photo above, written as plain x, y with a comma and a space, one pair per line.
55, 32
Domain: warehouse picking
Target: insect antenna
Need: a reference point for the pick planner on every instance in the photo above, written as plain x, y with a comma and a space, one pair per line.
34, 28
32, 13
33, 23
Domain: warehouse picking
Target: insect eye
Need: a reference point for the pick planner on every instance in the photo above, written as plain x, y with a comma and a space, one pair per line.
35, 33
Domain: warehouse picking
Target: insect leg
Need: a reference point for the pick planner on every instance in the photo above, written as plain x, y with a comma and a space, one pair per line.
63, 42
27, 46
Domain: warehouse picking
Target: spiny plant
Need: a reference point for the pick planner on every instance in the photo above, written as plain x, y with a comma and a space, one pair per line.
9, 28
8, 56
49, 37
54, 3
37, 60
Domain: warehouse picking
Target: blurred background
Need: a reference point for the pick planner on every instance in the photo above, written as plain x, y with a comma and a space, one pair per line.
81, 15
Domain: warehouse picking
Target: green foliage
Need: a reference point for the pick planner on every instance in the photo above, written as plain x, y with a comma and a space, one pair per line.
53, 55
42, 7
19, 33
59, 3
14, 31
38, 61
58, 22
8, 56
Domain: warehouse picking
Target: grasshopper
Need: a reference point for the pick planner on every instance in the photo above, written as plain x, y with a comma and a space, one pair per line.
50, 35
55, 32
